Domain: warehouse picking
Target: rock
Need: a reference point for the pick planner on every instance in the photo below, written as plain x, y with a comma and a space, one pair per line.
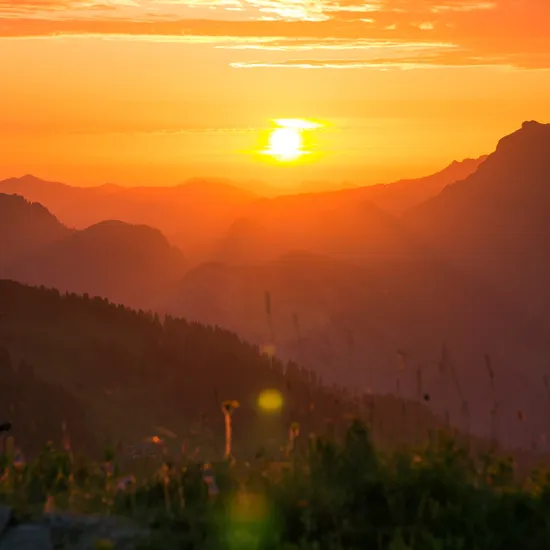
6, 515
27, 536
75, 532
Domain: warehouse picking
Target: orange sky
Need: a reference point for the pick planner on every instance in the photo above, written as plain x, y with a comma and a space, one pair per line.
155, 91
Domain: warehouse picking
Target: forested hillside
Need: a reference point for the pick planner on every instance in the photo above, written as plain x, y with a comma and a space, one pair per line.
140, 376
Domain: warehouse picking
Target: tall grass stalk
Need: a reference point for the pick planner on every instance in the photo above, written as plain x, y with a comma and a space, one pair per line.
494, 408
227, 408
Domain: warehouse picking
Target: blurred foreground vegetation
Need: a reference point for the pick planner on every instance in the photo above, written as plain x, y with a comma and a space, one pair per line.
324, 494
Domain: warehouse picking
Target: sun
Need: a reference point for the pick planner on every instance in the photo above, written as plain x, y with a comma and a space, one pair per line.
286, 142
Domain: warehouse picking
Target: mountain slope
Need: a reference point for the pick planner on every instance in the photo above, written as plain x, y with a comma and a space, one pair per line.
37, 408
25, 227
356, 230
348, 320
399, 196
495, 223
125, 263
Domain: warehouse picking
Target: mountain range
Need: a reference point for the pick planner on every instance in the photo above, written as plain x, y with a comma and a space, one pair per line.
201, 211
430, 286
131, 264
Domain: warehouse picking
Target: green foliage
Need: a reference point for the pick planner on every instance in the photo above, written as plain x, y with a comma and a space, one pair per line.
333, 496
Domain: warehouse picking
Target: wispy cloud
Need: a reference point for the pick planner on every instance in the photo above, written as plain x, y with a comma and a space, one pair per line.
380, 64
481, 32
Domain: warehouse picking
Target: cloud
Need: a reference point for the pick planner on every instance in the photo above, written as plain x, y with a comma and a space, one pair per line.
483, 32
388, 47
26, 7
428, 62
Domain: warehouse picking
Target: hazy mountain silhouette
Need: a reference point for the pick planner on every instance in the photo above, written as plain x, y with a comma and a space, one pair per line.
495, 223
198, 213
59, 198
353, 230
349, 223
25, 228
402, 195
190, 215
128, 264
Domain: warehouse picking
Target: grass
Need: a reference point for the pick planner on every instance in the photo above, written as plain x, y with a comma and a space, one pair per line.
323, 495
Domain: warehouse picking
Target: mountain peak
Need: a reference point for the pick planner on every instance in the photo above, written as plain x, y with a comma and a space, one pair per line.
532, 124
528, 147
30, 178
530, 130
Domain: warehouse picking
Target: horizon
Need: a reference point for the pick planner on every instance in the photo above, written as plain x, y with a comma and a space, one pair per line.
154, 92
264, 189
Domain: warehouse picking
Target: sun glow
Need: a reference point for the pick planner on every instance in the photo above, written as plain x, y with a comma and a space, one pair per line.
286, 142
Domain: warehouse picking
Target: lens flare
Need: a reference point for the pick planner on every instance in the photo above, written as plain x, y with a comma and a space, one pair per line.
270, 400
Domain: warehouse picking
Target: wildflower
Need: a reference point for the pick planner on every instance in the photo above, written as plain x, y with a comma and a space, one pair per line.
18, 460
229, 406
66, 442
293, 433
210, 479
126, 482
109, 468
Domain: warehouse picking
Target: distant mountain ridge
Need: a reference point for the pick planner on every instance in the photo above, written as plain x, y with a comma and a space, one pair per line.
127, 263
197, 214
